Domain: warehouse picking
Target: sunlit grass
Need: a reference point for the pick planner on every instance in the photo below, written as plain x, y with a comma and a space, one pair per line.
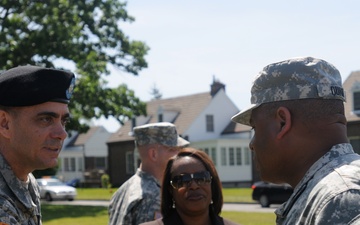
74, 215
250, 218
95, 215
94, 193
237, 195
230, 194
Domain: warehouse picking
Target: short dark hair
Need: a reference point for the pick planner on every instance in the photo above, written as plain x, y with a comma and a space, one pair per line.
9, 109
216, 188
307, 109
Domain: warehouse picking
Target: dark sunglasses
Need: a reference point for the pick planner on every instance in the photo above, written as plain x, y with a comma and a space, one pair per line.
184, 180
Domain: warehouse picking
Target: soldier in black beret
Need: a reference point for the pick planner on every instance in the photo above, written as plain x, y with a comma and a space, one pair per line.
33, 114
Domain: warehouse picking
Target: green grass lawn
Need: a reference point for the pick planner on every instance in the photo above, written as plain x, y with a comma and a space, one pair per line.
74, 215
95, 215
94, 193
230, 194
236, 195
250, 218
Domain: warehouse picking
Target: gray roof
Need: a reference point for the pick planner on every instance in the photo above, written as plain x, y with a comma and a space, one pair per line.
188, 108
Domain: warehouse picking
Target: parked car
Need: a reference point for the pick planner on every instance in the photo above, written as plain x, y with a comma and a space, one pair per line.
74, 182
267, 193
52, 188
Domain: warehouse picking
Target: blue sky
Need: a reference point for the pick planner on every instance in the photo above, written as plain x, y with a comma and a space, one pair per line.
193, 41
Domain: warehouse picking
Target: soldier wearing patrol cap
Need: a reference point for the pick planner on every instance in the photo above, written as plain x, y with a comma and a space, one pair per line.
138, 199
300, 138
33, 114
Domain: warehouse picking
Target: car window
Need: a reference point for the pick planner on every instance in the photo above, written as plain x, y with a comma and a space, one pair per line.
55, 183
50, 183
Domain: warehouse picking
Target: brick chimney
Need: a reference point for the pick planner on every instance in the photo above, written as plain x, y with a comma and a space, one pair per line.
216, 86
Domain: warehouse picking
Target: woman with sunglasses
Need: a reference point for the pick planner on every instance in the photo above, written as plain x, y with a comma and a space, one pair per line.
191, 191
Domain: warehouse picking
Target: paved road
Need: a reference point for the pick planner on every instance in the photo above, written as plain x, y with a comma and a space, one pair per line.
227, 206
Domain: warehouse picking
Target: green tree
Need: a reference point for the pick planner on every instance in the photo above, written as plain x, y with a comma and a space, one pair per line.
85, 33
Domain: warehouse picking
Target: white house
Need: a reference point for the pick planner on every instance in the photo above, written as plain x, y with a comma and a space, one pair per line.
204, 120
84, 156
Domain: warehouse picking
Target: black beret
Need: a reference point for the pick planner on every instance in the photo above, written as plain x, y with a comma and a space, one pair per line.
32, 85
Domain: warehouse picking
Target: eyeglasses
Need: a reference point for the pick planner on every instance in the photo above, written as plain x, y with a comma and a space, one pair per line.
184, 180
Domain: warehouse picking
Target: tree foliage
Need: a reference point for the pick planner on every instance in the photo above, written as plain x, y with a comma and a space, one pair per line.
85, 33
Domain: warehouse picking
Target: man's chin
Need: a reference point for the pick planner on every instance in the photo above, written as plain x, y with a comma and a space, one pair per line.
48, 165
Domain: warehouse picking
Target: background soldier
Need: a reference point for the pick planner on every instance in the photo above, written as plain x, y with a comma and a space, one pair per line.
138, 199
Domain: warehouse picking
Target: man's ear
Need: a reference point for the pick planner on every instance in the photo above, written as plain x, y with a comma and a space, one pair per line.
283, 117
152, 153
4, 123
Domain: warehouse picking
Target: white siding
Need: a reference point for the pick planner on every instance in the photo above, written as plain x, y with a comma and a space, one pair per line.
222, 108
96, 145
239, 172
74, 154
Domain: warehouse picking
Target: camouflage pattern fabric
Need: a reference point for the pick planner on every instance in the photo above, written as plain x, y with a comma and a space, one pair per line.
162, 133
18, 205
136, 201
298, 78
329, 193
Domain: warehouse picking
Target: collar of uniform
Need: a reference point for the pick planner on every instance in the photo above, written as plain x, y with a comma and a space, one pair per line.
24, 196
335, 152
147, 176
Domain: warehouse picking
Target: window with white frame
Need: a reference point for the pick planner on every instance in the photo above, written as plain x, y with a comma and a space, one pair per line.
223, 156
231, 156
80, 164
130, 169
211, 152
213, 155
69, 164
247, 156
206, 150
209, 123
238, 156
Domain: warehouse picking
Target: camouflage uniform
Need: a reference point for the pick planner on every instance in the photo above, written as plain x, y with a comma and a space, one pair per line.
136, 201
18, 205
329, 193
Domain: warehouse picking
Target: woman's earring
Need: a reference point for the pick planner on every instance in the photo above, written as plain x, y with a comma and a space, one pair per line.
173, 205
211, 202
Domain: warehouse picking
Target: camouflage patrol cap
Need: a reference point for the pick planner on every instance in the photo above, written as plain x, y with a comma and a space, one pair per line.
163, 133
298, 78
